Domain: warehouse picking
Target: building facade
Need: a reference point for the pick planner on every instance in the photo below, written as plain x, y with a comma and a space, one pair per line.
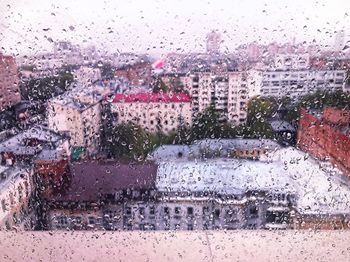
9, 89
264, 186
138, 73
32, 163
87, 75
78, 114
228, 92
16, 188
297, 83
326, 135
153, 112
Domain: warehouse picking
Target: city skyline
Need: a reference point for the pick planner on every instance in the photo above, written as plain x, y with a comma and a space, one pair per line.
159, 28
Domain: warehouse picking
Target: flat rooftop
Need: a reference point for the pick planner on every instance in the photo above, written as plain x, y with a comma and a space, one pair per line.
81, 97
9, 174
287, 170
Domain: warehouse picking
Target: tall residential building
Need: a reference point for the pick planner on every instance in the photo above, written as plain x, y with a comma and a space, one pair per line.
227, 92
9, 90
213, 42
339, 40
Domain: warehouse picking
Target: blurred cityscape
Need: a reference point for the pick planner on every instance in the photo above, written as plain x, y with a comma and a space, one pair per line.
254, 139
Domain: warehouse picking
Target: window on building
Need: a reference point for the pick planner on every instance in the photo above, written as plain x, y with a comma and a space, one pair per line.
62, 221
190, 211
3, 205
12, 199
253, 212
91, 220
152, 210
142, 211
166, 210
128, 210
177, 210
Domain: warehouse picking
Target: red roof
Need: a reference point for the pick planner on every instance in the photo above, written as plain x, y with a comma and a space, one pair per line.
152, 97
90, 180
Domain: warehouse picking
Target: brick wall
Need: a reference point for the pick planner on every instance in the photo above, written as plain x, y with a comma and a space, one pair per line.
324, 141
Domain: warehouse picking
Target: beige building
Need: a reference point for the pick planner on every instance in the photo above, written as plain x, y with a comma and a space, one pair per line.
8, 82
78, 114
153, 112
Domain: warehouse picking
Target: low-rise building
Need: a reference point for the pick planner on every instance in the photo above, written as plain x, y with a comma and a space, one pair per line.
154, 112
184, 189
32, 163
87, 75
137, 73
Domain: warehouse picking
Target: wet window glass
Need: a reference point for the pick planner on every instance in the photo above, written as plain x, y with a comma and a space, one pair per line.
174, 130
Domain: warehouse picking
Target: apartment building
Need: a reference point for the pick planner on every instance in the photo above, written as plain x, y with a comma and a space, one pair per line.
9, 89
154, 112
228, 92
78, 115
296, 83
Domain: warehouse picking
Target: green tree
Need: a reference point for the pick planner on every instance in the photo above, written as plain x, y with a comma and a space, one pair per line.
126, 140
107, 70
158, 85
177, 85
42, 89
261, 109
207, 124
320, 99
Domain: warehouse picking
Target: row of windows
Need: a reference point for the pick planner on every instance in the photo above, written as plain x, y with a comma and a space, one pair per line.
66, 221
304, 75
179, 211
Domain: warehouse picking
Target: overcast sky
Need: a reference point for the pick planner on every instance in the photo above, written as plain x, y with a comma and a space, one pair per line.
28, 26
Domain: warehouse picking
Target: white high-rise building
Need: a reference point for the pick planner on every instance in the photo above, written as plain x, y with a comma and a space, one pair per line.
339, 40
213, 42
227, 93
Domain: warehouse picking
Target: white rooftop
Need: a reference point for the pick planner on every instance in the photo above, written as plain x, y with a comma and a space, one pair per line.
318, 191
8, 175
16, 144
